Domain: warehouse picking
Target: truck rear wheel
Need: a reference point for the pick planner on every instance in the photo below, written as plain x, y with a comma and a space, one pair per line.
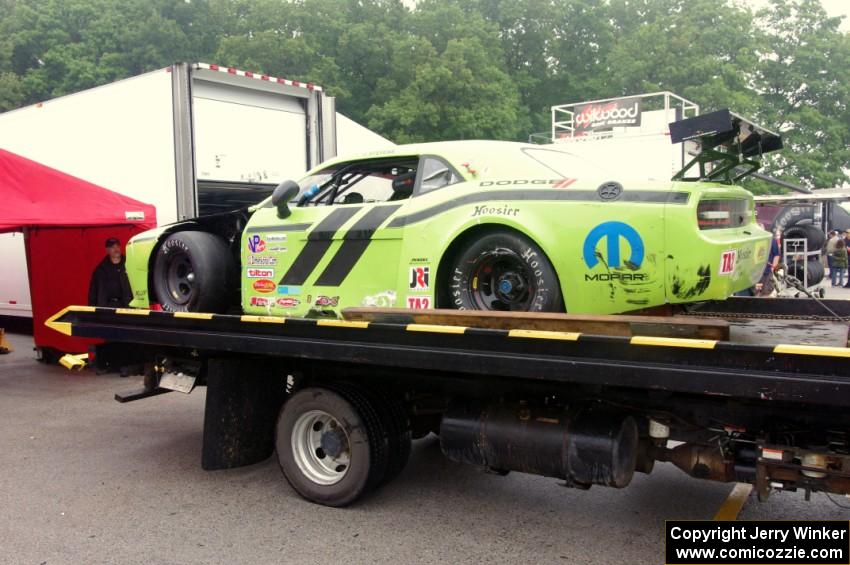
331, 445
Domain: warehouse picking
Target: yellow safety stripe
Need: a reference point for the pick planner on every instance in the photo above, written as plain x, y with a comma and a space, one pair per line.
193, 315
132, 311
61, 327
433, 328
343, 324
813, 350
543, 334
673, 342
266, 319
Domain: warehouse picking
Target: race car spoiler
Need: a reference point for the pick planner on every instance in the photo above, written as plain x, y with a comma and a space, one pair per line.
730, 146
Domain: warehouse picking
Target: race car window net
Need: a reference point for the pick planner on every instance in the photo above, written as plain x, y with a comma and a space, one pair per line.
723, 213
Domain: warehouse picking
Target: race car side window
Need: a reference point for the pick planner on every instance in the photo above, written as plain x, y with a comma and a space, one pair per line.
359, 182
434, 173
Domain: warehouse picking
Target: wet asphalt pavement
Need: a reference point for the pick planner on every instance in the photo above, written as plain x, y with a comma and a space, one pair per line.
85, 480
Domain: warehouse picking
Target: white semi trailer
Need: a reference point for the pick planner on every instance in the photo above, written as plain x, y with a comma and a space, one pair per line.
191, 139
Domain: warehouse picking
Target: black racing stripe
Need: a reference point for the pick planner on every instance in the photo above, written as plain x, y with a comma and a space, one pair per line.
285, 227
356, 240
318, 242
551, 195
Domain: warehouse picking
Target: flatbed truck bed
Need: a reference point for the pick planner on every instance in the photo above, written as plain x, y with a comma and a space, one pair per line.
339, 400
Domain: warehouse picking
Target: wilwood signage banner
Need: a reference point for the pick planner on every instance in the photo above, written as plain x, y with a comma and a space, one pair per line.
606, 115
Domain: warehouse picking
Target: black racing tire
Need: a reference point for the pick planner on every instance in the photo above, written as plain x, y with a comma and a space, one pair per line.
193, 272
815, 271
357, 428
793, 215
814, 236
503, 271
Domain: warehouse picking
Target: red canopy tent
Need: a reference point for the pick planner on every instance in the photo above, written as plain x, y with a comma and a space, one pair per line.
66, 221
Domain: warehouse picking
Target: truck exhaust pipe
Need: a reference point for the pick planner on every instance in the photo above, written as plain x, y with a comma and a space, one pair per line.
584, 448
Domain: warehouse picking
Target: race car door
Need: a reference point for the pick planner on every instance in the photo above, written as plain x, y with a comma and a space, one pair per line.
337, 253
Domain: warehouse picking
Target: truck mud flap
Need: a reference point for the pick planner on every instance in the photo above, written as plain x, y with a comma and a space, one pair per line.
243, 400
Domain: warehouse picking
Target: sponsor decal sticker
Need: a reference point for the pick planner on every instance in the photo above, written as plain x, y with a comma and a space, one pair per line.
287, 302
256, 244
283, 289
727, 262
276, 237
327, 301
384, 299
420, 278
419, 302
260, 273
276, 249
264, 285
260, 301
262, 260
613, 233
484, 210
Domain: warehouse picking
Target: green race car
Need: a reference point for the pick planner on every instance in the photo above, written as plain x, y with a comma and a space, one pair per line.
466, 224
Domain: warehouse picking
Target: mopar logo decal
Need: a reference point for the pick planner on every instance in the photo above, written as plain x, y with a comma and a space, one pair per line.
612, 232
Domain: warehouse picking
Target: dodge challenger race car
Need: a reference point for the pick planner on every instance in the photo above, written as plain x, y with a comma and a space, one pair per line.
468, 224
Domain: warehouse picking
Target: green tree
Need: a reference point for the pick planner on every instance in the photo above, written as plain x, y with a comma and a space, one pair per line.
802, 82
457, 94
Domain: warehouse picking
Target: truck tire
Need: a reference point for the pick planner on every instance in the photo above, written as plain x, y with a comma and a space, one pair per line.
193, 272
395, 423
331, 445
503, 271
815, 238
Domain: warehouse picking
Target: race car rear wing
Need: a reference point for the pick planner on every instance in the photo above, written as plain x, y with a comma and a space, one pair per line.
729, 147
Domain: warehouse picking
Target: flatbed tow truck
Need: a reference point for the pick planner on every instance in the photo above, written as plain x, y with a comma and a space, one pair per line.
748, 390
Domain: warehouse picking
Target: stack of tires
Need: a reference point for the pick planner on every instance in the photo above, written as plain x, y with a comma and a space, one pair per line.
797, 222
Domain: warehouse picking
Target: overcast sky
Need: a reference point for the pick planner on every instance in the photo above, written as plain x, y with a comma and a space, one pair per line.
832, 7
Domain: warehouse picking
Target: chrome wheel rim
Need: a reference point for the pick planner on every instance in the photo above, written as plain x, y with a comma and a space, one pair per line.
321, 447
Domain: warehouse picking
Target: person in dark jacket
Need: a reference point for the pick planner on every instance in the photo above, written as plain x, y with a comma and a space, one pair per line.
839, 263
109, 283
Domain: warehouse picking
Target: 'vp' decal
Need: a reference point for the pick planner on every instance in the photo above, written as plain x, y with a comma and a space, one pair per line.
612, 232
